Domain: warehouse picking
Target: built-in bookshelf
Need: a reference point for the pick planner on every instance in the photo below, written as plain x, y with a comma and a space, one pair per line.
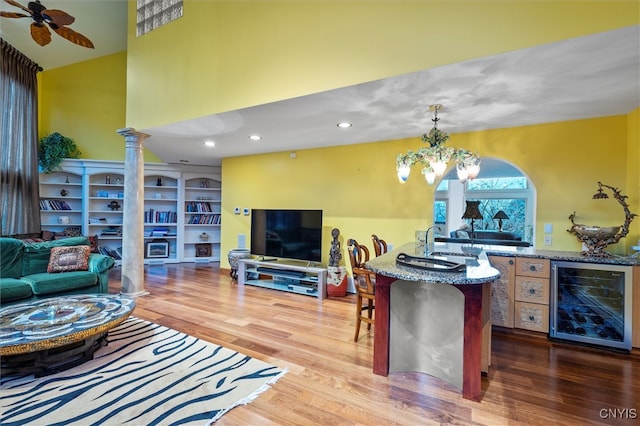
61, 202
202, 218
181, 208
105, 200
161, 216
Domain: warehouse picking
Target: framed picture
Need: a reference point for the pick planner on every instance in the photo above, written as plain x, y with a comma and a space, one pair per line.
157, 249
203, 250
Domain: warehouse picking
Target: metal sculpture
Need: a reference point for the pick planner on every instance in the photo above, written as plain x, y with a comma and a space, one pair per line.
595, 238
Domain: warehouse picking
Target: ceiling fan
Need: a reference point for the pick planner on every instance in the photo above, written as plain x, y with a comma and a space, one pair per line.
56, 19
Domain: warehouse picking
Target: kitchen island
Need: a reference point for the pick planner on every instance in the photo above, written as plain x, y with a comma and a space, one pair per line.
438, 323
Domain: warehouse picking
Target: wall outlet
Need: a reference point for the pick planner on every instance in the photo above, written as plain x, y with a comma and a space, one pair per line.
547, 240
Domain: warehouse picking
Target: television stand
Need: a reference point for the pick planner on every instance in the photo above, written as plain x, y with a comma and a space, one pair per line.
283, 276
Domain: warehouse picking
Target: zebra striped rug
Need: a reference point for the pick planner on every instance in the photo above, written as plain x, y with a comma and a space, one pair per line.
147, 375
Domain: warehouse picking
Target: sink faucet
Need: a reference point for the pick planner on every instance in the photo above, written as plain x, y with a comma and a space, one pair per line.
430, 243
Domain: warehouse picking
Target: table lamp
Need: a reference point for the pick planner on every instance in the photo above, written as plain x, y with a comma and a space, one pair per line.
500, 216
472, 212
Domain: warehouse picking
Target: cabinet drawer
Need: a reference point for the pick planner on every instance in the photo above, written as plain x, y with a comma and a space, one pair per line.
532, 316
531, 289
532, 267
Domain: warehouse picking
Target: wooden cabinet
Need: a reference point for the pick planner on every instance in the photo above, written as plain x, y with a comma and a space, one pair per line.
531, 267
502, 291
532, 316
532, 294
520, 297
532, 289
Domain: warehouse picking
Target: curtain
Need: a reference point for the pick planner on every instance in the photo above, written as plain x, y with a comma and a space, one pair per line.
19, 185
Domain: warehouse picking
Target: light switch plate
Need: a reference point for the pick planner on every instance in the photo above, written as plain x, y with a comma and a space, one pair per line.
547, 240
548, 228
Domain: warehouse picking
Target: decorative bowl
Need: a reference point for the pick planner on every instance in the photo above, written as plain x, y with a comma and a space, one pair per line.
596, 232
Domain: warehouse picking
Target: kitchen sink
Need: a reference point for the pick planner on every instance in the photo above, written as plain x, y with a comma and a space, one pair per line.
437, 262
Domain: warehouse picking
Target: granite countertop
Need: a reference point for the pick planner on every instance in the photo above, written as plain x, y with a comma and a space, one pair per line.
566, 256
477, 272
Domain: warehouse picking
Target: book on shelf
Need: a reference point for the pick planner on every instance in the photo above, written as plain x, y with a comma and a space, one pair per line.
198, 207
108, 251
54, 205
159, 232
112, 231
152, 216
204, 219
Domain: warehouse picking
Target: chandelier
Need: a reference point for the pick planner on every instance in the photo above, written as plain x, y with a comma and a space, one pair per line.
436, 156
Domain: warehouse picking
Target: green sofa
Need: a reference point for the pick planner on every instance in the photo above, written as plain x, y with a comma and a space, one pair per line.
24, 276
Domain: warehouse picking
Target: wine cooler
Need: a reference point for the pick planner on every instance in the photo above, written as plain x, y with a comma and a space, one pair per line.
591, 304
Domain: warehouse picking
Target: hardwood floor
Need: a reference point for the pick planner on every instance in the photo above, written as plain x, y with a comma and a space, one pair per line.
330, 379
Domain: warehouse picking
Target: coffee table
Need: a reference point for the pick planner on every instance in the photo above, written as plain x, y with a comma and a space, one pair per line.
51, 335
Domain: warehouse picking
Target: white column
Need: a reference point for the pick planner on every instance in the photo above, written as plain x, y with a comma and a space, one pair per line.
133, 214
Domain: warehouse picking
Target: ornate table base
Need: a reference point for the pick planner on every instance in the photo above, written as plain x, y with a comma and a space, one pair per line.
46, 336
50, 361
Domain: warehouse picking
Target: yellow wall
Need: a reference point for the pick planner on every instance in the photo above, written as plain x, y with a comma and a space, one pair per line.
86, 102
225, 55
357, 188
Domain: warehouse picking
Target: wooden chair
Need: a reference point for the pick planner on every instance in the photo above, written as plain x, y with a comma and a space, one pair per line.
364, 282
379, 246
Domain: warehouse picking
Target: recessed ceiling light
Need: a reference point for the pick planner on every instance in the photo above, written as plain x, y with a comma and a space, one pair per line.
255, 137
210, 144
344, 125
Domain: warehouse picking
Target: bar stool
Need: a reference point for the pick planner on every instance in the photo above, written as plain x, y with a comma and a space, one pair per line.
364, 281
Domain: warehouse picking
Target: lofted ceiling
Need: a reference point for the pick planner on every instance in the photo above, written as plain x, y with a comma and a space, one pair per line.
592, 76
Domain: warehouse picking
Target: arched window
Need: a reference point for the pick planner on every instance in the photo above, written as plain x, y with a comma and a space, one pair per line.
500, 186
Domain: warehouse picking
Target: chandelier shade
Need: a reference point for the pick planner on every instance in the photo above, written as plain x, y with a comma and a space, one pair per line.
435, 157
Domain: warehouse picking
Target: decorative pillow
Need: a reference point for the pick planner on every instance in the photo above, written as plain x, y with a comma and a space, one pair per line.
462, 234
71, 258
48, 235
93, 243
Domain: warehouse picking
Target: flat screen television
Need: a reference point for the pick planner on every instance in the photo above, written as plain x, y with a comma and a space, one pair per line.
288, 234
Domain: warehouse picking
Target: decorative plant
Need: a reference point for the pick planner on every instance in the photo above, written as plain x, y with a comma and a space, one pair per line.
53, 148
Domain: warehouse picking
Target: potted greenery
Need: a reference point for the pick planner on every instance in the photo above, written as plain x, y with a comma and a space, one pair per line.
54, 148
336, 273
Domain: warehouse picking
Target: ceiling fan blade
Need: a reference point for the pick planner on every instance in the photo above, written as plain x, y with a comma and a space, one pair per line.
16, 4
13, 15
73, 36
40, 34
58, 17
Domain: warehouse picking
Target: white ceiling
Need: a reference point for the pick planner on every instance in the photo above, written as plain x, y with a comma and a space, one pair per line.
104, 22
592, 76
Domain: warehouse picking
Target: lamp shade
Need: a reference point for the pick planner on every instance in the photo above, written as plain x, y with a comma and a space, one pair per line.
472, 211
500, 215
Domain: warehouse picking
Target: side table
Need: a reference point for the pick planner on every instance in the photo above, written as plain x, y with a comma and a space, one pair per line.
234, 255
